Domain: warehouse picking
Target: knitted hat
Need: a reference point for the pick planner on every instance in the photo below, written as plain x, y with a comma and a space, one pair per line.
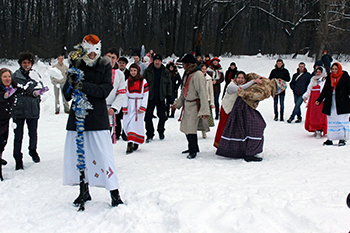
214, 59
187, 58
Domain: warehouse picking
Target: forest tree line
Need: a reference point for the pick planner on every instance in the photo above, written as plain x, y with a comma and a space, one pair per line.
51, 27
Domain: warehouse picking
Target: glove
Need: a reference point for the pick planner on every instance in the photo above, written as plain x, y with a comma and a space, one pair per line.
10, 90
43, 90
72, 78
78, 85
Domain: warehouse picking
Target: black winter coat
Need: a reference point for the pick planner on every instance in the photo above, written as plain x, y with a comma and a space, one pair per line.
342, 92
5, 109
176, 82
299, 86
165, 85
27, 105
281, 73
97, 85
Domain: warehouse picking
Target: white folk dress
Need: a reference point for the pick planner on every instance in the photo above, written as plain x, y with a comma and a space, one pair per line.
136, 99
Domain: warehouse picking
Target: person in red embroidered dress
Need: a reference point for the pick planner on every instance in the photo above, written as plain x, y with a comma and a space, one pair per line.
134, 108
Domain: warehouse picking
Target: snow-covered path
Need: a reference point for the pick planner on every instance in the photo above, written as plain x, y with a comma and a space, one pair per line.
300, 186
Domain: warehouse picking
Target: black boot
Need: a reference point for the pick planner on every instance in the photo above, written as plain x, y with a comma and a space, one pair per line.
192, 155
341, 142
19, 165
253, 158
328, 143
34, 155
87, 196
135, 147
129, 148
281, 117
276, 117
116, 200
3, 162
298, 120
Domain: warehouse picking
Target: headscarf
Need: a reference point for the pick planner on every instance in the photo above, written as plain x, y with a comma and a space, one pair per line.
138, 76
336, 77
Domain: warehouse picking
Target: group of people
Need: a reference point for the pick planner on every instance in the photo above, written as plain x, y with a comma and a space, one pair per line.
117, 94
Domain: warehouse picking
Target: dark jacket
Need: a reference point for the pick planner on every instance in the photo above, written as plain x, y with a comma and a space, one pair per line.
126, 73
97, 84
281, 73
6, 105
27, 105
229, 76
299, 83
342, 92
327, 59
165, 85
219, 78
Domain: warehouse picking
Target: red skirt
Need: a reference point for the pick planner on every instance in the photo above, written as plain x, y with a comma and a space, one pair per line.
221, 126
315, 119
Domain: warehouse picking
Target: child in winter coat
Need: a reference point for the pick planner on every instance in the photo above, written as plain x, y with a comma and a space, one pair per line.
315, 120
134, 108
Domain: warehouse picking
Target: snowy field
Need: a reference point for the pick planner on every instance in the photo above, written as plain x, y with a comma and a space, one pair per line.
300, 186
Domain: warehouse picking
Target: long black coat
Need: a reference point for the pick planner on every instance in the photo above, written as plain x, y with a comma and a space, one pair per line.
97, 84
281, 73
5, 109
342, 92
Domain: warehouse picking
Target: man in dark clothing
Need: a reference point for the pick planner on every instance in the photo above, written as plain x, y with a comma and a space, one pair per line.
299, 84
122, 62
160, 88
282, 73
327, 60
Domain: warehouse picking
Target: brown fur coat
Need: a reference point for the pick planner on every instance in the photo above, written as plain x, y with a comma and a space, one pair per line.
258, 92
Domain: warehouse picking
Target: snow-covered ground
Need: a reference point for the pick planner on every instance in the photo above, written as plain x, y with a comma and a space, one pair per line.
300, 186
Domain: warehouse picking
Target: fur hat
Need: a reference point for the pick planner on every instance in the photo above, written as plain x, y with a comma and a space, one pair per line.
187, 58
214, 59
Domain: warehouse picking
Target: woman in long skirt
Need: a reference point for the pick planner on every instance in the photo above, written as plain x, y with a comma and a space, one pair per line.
336, 105
315, 120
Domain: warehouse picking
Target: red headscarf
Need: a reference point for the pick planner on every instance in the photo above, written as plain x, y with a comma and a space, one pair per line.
336, 77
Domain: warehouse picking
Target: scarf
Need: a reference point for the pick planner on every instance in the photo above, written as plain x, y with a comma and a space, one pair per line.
336, 77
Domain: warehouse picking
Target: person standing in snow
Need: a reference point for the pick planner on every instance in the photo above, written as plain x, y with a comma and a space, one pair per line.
7, 98
58, 85
279, 72
229, 76
139, 62
160, 89
176, 82
122, 62
26, 108
237, 84
315, 120
243, 136
336, 105
99, 159
215, 71
326, 60
134, 108
194, 102
116, 96
204, 124
299, 84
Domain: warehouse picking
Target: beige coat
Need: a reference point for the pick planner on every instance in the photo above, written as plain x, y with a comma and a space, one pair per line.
210, 89
194, 88
258, 92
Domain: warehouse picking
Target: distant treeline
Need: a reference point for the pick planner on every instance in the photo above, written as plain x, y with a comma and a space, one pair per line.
47, 27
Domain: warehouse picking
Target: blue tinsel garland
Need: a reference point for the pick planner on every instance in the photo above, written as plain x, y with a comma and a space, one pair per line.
80, 107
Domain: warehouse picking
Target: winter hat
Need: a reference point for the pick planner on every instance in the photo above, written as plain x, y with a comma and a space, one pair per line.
214, 59
187, 58
233, 64
124, 60
157, 56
